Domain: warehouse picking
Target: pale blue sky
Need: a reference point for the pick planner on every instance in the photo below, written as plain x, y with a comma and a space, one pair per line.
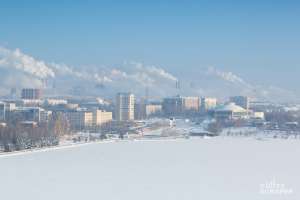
259, 40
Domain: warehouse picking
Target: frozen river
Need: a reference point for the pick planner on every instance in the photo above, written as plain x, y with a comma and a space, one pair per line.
218, 168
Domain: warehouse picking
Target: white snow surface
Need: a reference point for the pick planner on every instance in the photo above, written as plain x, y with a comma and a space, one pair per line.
192, 169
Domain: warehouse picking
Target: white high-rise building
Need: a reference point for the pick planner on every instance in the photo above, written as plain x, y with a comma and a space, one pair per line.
124, 107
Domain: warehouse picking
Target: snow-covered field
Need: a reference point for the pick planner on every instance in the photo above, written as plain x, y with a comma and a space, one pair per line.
217, 168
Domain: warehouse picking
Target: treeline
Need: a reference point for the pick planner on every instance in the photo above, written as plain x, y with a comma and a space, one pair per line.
19, 136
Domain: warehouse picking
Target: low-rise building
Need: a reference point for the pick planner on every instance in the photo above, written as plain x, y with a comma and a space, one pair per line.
178, 105
29, 124
53, 102
208, 104
9, 106
30, 102
258, 115
26, 114
3, 124
101, 117
45, 115
230, 111
152, 109
5, 109
172, 105
144, 110
79, 119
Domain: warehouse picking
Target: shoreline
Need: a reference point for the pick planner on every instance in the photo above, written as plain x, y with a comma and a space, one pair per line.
52, 148
156, 139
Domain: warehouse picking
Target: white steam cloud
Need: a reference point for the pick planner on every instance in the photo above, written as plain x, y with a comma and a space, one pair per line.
132, 76
20, 61
132, 71
228, 76
18, 69
245, 88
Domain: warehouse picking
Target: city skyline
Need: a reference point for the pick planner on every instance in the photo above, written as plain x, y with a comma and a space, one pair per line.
160, 99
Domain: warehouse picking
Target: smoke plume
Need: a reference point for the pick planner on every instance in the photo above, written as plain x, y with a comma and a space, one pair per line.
18, 60
18, 69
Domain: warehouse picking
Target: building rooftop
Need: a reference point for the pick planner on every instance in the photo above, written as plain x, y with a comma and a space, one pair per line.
230, 107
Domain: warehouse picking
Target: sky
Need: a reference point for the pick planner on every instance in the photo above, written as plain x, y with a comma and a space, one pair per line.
258, 40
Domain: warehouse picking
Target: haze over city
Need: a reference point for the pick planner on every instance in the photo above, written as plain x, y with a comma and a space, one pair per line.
214, 48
